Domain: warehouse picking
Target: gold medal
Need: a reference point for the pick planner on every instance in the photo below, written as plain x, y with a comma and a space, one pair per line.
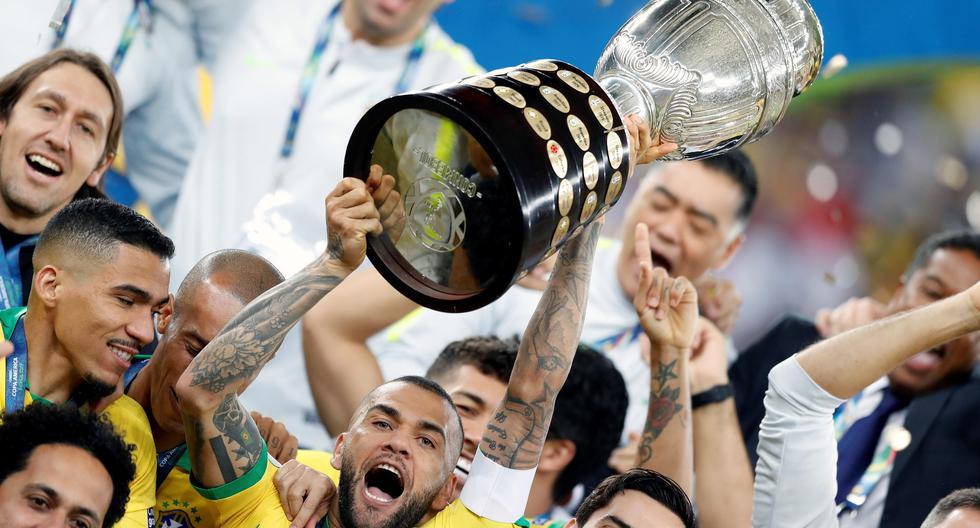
566, 196
557, 157
589, 206
574, 80
601, 111
560, 231
538, 123
543, 65
614, 147
579, 133
524, 77
590, 170
480, 82
615, 185
555, 98
510, 95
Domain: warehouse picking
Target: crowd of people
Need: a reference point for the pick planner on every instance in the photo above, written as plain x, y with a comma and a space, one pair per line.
181, 367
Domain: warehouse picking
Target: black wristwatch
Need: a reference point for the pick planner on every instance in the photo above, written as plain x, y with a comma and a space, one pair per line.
716, 394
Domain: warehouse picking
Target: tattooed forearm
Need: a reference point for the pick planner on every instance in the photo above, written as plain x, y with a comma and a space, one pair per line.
251, 338
515, 436
238, 448
666, 402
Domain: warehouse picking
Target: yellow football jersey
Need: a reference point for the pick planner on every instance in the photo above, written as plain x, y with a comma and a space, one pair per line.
180, 505
253, 500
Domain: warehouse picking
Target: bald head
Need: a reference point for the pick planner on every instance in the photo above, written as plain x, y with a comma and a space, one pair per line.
241, 274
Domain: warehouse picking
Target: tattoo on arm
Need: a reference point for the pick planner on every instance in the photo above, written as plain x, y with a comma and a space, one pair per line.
664, 405
251, 338
516, 434
239, 432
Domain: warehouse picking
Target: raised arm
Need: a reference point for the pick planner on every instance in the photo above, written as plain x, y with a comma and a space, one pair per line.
668, 312
223, 441
516, 433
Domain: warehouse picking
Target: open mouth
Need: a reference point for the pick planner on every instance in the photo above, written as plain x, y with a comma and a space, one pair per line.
44, 165
660, 261
383, 483
926, 361
123, 354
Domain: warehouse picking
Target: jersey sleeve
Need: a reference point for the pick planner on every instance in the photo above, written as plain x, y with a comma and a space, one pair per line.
249, 500
130, 421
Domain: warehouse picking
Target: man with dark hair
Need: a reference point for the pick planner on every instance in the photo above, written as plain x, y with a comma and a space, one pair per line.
909, 438
959, 509
639, 497
100, 277
62, 466
60, 121
795, 476
585, 428
396, 460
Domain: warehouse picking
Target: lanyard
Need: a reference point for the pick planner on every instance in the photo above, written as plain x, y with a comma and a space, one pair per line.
16, 382
141, 16
166, 462
309, 75
11, 291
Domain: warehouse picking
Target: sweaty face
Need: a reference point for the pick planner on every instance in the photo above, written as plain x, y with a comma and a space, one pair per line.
633, 509
690, 211
193, 325
396, 460
476, 396
386, 19
61, 486
948, 272
53, 140
104, 311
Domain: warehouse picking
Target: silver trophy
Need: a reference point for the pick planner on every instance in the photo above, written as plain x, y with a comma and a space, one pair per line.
711, 75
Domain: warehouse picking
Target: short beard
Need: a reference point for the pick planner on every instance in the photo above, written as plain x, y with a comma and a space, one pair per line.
407, 516
92, 390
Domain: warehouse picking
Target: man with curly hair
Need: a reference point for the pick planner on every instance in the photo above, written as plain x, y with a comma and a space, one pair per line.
62, 467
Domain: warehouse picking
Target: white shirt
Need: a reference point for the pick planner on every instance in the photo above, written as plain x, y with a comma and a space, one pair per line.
796, 475
611, 324
237, 162
160, 128
255, 83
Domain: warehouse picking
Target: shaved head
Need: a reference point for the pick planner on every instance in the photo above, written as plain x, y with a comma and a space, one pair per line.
242, 274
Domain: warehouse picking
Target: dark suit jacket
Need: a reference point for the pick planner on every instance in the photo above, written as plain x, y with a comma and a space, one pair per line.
945, 426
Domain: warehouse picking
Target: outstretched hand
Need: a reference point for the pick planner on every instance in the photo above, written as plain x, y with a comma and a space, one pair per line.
643, 147
667, 307
351, 216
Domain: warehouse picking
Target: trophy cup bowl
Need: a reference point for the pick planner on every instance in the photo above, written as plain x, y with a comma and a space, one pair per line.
496, 171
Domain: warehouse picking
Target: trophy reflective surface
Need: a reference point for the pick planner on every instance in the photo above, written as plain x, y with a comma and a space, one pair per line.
495, 172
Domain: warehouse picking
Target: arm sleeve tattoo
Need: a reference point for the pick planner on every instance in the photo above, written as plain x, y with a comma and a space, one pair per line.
516, 433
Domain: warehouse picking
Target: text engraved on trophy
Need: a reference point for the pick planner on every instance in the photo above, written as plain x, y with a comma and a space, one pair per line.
556, 154
527, 78
574, 80
560, 231
480, 82
614, 146
543, 65
445, 173
435, 215
579, 133
510, 95
555, 98
615, 185
601, 111
588, 207
590, 170
566, 195
538, 123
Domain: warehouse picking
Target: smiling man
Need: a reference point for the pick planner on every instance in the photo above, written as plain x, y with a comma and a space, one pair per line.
60, 121
101, 274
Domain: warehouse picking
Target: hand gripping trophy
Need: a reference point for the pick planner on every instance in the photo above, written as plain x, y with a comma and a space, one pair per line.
494, 172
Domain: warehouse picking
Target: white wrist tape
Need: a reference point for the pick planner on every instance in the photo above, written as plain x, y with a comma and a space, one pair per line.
495, 492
